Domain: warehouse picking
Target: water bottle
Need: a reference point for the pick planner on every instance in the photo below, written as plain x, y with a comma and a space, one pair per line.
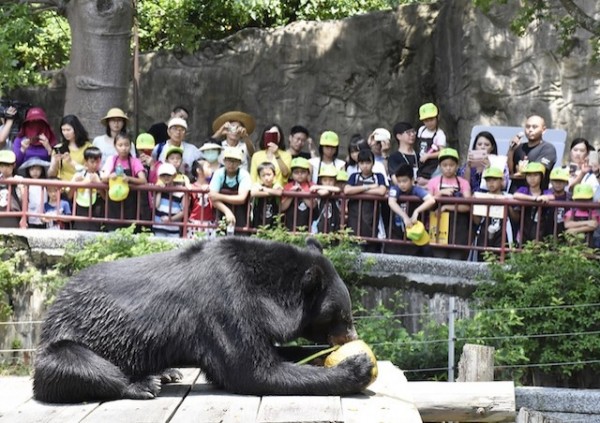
119, 170
230, 229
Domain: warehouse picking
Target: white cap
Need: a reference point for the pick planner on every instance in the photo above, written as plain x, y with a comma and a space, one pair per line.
381, 134
177, 122
166, 169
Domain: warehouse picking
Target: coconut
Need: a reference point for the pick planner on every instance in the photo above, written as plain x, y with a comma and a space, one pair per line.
349, 349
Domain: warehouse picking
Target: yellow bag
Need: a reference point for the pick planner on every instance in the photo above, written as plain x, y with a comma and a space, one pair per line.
439, 229
118, 189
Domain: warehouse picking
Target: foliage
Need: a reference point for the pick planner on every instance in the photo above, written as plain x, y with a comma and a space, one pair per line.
548, 288
30, 43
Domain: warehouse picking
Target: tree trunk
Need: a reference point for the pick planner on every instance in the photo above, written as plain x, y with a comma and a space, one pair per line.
98, 72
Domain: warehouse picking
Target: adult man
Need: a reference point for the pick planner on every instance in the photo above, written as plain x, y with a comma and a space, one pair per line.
299, 136
177, 128
534, 150
159, 129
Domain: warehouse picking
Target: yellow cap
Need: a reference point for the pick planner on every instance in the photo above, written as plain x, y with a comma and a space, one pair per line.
172, 150
493, 172
559, 174
583, 192
448, 153
300, 162
329, 139
342, 176
144, 142
428, 110
417, 234
328, 171
233, 153
535, 167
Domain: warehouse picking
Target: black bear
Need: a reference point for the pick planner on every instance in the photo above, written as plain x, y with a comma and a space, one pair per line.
117, 329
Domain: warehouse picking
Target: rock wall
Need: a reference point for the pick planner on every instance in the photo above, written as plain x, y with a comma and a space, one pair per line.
373, 70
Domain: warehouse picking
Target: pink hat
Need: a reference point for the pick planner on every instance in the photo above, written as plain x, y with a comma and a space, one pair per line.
36, 113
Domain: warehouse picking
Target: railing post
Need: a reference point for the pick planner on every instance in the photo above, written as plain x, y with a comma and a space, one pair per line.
451, 338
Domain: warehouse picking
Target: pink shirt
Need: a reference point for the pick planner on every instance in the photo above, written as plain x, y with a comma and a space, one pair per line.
439, 182
583, 214
110, 164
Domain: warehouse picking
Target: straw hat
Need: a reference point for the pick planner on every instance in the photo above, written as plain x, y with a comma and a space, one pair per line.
115, 112
235, 116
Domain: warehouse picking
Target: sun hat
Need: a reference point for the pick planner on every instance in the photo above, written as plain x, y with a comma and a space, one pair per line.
328, 171
381, 134
166, 169
493, 172
329, 139
235, 116
177, 122
583, 192
300, 162
172, 149
427, 111
342, 176
115, 112
233, 153
34, 161
559, 174
7, 156
535, 167
417, 234
144, 142
210, 146
448, 153
36, 113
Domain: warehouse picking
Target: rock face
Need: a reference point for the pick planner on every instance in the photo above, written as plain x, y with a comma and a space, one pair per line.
373, 70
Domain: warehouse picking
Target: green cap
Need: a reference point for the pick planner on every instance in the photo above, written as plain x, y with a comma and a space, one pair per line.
144, 142
300, 162
583, 192
493, 172
328, 171
535, 167
448, 152
559, 174
428, 110
329, 139
342, 176
172, 150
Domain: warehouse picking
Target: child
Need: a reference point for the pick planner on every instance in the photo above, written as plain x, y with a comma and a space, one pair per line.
448, 184
488, 232
298, 209
87, 201
328, 208
229, 189
210, 162
580, 220
430, 141
35, 168
9, 193
144, 144
364, 216
407, 213
202, 214
56, 210
533, 218
328, 154
128, 170
559, 178
265, 205
168, 206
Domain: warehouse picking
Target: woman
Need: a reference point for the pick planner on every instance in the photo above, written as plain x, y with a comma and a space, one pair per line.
236, 127
67, 158
580, 170
484, 145
272, 151
115, 122
357, 143
35, 138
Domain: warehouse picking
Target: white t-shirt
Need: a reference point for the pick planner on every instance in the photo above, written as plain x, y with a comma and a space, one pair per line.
439, 139
315, 161
107, 146
378, 167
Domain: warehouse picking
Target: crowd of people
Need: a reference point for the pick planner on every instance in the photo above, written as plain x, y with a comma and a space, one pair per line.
389, 184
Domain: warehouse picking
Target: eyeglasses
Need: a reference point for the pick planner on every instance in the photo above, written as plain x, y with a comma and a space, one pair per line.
177, 128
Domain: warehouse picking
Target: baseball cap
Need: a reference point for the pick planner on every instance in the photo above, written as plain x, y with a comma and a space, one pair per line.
210, 146
166, 169
300, 162
428, 110
493, 172
342, 176
535, 167
448, 153
417, 234
329, 139
559, 174
233, 153
583, 192
7, 156
177, 122
328, 171
173, 149
381, 134
144, 142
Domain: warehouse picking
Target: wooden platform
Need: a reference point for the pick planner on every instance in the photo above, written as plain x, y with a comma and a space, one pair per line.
193, 400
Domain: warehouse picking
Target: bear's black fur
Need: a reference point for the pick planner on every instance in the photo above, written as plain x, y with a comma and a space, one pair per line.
117, 329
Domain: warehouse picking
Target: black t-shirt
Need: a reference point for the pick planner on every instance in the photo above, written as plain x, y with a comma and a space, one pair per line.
301, 154
397, 159
159, 132
543, 153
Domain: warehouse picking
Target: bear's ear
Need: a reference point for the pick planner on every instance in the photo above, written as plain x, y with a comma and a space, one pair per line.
313, 279
312, 242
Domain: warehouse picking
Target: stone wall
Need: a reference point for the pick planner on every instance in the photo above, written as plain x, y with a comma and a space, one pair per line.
373, 70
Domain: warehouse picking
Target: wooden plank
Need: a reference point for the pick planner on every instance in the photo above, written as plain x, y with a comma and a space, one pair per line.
14, 391
36, 412
300, 409
157, 410
206, 404
476, 364
464, 401
388, 399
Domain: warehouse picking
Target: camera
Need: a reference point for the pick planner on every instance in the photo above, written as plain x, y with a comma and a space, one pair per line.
18, 117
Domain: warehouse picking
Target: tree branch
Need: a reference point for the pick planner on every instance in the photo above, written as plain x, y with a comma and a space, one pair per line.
583, 20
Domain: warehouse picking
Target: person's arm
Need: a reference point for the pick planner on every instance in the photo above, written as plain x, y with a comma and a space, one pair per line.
139, 179
237, 199
580, 226
229, 216
395, 207
427, 204
284, 163
312, 149
8, 123
263, 191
